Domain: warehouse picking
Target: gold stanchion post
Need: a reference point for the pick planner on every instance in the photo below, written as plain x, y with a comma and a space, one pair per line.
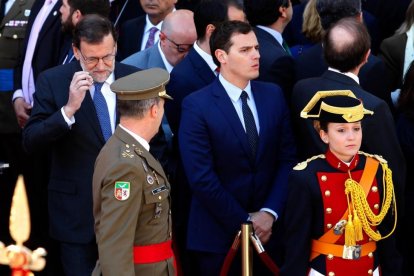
247, 262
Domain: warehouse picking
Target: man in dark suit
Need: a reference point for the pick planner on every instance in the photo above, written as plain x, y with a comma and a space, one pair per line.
237, 149
312, 64
195, 71
140, 33
270, 18
379, 130
74, 118
41, 47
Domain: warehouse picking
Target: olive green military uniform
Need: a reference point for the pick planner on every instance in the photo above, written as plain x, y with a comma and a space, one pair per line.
12, 33
130, 216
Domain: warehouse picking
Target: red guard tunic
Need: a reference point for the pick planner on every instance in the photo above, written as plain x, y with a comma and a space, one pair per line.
316, 203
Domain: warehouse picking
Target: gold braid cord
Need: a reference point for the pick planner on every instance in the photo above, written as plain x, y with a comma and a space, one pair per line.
362, 208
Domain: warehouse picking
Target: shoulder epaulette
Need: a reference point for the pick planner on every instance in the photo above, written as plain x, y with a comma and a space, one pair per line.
302, 165
375, 156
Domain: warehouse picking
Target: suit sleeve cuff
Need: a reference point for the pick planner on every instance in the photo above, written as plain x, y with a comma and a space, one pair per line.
69, 121
17, 94
270, 211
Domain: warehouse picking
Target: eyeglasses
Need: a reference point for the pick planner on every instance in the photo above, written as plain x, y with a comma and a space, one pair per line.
181, 48
93, 61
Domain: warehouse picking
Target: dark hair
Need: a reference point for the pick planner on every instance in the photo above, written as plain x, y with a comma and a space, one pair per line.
406, 98
263, 12
331, 11
346, 55
92, 29
101, 7
209, 12
135, 108
221, 37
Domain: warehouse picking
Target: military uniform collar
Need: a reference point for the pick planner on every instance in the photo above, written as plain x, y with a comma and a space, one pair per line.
141, 140
340, 165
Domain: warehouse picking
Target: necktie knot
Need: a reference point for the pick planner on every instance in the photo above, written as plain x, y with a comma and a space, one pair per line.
98, 86
244, 96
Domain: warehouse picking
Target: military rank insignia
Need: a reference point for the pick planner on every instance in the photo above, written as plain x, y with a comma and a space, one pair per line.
121, 191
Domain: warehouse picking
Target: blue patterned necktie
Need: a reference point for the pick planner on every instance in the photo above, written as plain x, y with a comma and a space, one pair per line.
102, 111
151, 37
249, 123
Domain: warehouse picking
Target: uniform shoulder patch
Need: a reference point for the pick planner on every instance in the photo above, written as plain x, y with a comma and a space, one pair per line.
375, 156
122, 190
302, 165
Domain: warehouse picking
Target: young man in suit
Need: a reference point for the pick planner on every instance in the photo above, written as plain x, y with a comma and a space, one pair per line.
73, 115
344, 66
140, 33
237, 149
270, 18
312, 64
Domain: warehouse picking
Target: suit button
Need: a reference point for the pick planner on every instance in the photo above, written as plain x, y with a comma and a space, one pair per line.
324, 178
374, 189
330, 257
331, 273
370, 272
328, 210
370, 255
376, 206
327, 193
329, 226
15, 36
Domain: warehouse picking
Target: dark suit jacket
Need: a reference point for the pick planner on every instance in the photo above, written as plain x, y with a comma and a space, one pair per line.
373, 76
379, 134
130, 37
73, 150
276, 65
392, 52
190, 75
226, 182
46, 54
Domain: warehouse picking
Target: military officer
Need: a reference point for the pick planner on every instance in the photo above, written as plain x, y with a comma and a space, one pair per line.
131, 193
341, 210
14, 16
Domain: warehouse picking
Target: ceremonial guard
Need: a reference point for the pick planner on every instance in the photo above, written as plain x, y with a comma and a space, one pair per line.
341, 210
131, 193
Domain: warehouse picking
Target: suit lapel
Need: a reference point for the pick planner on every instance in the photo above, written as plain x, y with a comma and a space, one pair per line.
225, 105
52, 17
201, 67
155, 59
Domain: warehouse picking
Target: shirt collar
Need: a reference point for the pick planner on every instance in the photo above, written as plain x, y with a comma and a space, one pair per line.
167, 65
207, 57
274, 33
140, 140
149, 25
349, 74
233, 91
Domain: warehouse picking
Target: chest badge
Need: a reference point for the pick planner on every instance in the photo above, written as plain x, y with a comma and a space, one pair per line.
150, 179
122, 190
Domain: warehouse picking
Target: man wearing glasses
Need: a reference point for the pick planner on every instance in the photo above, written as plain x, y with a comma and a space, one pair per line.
177, 36
73, 116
